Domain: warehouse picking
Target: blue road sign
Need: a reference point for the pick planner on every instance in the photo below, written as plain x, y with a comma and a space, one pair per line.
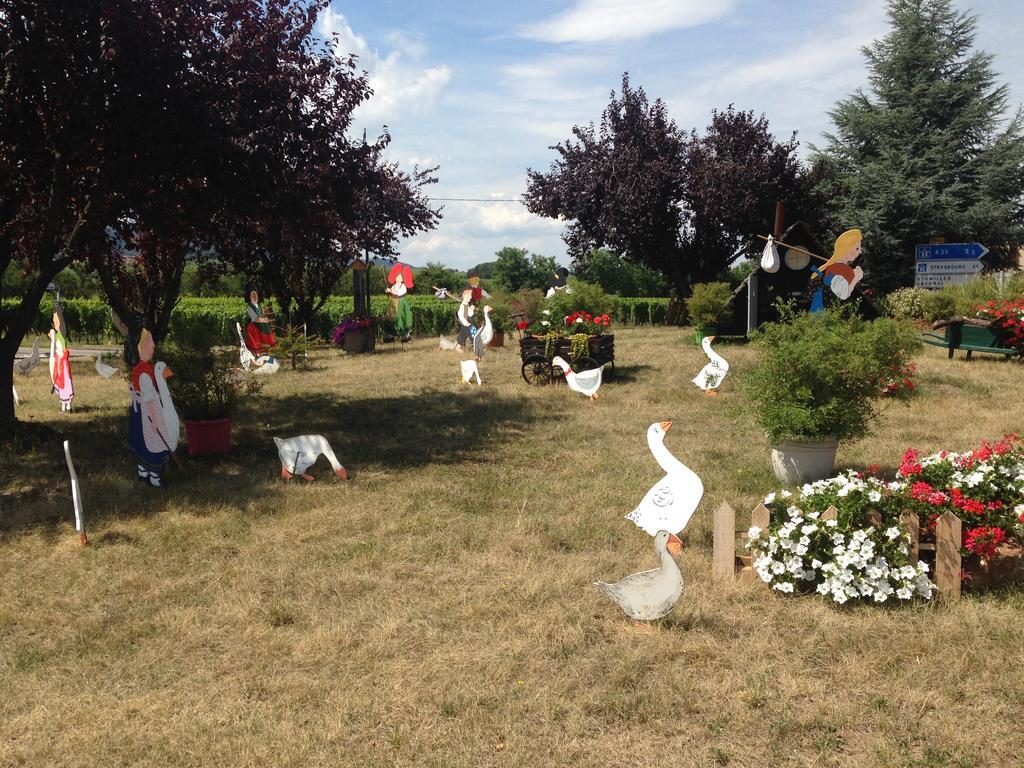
949, 251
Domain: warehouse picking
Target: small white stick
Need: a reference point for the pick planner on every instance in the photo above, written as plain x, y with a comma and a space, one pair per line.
76, 496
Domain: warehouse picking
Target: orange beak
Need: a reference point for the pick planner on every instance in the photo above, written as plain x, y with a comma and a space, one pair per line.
675, 545
711, 338
168, 373
665, 426
341, 473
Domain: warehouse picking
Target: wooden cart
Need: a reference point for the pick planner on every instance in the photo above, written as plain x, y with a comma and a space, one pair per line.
538, 352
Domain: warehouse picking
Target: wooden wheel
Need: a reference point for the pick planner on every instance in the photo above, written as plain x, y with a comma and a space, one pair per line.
584, 363
536, 370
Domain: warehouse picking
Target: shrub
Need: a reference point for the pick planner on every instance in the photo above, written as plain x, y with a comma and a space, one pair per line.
707, 304
585, 297
906, 303
821, 375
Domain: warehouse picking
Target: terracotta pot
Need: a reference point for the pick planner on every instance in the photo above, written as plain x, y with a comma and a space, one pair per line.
802, 461
213, 436
1006, 566
498, 340
360, 340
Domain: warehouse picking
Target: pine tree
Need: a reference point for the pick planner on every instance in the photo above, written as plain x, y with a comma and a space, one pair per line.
930, 149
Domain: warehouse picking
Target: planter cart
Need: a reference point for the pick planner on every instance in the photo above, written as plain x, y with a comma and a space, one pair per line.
537, 366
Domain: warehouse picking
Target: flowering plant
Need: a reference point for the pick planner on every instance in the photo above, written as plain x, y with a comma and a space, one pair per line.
349, 324
1008, 317
899, 381
584, 322
846, 558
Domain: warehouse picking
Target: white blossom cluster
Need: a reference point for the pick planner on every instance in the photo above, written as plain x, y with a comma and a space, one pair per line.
843, 565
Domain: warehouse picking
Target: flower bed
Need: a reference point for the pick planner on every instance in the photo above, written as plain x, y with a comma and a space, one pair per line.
863, 554
1008, 319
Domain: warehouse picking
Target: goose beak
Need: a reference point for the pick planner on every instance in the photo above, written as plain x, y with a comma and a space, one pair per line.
168, 373
341, 473
675, 545
665, 426
710, 338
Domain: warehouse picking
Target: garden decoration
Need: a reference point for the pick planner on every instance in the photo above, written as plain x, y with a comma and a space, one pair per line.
580, 340
469, 370
60, 360
443, 293
76, 496
356, 334
670, 503
836, 272
400, 282
263, 365
770, 261
463, 315
476, 290
300, 453
445, 345
585, 382
17, 400
26, 365
484, 335
153, 426
649, 595
558, 283
712, 374
104, 370
259, 335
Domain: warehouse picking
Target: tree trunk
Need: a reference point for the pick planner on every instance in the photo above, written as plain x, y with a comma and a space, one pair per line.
6, 383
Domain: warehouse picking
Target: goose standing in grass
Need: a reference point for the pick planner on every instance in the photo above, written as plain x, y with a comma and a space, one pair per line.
671, 502
104, 370
649, 595
26, 365
299, 453
712, 374
585, 382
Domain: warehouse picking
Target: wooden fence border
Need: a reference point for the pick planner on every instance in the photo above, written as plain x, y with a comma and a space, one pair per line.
731, 561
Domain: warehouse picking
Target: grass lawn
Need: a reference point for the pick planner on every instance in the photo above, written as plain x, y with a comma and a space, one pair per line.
437, 610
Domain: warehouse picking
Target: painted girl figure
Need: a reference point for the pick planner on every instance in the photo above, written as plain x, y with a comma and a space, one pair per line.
259, 335
836, 273
400, 282
60, 359
153, 426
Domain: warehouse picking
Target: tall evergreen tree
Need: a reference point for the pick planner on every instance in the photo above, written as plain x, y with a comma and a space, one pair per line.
929, 149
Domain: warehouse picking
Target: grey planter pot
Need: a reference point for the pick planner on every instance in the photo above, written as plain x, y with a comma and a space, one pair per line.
799, 461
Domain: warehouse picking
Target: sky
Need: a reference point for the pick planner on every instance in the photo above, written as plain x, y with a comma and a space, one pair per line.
484, 90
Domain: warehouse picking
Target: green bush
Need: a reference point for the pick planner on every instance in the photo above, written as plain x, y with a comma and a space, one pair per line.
707, 305
821, 375
906, 303
585, 297
960, 300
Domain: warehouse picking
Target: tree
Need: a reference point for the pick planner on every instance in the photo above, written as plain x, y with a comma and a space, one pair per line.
618, 276
438, 274
928, 149
679, 203
512, 269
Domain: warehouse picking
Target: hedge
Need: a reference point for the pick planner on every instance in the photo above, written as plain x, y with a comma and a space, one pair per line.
89, 319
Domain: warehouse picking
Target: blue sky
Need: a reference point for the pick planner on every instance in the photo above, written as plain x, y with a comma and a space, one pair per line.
483, 90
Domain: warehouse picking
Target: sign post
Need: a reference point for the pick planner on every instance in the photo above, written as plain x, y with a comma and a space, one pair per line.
940, 264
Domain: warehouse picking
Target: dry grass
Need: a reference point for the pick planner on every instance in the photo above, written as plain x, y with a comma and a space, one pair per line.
437, 610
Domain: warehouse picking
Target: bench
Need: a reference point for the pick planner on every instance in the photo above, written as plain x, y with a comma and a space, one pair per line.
969, 335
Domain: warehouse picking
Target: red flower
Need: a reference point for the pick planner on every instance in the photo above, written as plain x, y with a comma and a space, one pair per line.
984, 540
522, 325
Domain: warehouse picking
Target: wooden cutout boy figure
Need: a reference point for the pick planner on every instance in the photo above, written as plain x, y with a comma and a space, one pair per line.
259, 335
153, 426
60, 360
400, 282
464, 316
836, 273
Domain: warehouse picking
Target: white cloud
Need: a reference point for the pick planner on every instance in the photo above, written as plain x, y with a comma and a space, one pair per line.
400, 83
594, 21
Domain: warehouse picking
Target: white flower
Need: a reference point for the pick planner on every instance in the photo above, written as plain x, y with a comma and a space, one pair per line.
809, 528
800, 549
892, 533
831, 523
839, 596
904, 593
778, 567
874, 496
823, 588
754, 532
815, 563
783, 586
547, 311
785, 494
769, 498
544, 322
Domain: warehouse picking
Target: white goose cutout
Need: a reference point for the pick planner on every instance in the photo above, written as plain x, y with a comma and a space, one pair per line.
671, 502
712, 374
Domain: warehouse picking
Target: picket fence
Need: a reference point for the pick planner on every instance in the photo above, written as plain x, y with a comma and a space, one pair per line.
731, 559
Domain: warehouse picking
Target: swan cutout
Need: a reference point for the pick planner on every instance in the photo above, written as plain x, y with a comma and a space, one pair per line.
104, 370
469, 370
161, 428
585, 382
649, 595
484, 335
26, 365
670, 503
445, 345
300, 453
712, 374
261, 366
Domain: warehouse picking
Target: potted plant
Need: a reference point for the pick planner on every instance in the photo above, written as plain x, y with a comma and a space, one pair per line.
819, 381
206, 392
499, 320
708, 306
355, 335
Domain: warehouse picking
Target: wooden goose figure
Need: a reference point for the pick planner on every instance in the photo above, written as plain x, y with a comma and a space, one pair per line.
585, 382
649, 595
712, 374
104, 370
300, 453
670, 503
264, 364
469, 370
484, 336
26, 365
445, 345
